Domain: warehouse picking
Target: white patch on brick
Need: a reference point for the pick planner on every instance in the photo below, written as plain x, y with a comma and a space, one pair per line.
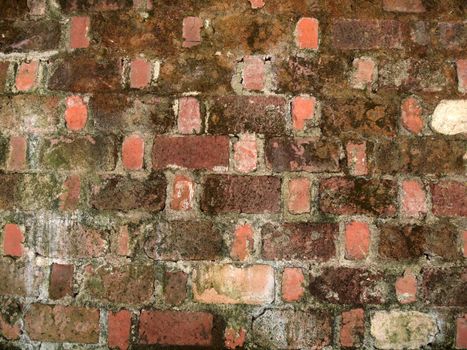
450, 117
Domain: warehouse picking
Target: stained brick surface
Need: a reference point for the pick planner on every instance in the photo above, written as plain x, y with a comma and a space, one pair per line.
248, 174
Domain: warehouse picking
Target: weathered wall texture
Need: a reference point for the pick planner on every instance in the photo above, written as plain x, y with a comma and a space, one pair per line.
258, 174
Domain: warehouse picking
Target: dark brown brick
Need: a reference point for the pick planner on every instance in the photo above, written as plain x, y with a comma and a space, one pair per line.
123, 113
79, 73
3, 74
453, 35
445, 287
93, 5
237, 114
344, 285
57, 323
352, 34
420, 156
14, 9
124, 193
185, 240
61, 281
411, 242
302, 154
79, 153
449, 198
25, 36
176, 328
10, 191
241, 194
348, 196
302, 241
175, 287
193, 152
131, 284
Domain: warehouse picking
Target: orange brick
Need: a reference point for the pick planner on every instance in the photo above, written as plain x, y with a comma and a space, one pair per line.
406, 288
299, 196
119, 329
411, 115
245, 153
303, 109
182, 193
306, 33
357, 240
26, 77
243, 242
292, 284
76, 114
133, 152
140, 73
79, 29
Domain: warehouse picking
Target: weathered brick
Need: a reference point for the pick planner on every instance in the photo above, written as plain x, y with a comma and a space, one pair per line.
461, 332
26, 36
444, 287
227, 284
352, 34
305, 241
412, 6
13, 240
240, 194
461, 75
3, 75
256, 4
127, 284
193, 152
352, 328
69, 199
357, 240
184, 240
19, 279
79, 28
18, 153
411, 115
133, 152
306, 33
182, 193
192, 31
123, 113
254, 114
61, 281
302, 154
292, 284
245, 153
303, 110
82, 153
176, 328
189, 115
344, 195
413, 198
80, 73
289, 329
243, 242
357, 158
253, 74
406, 288
235, 338
119, 330
409, 242
365, 72
402, 329
175, 284
140, 73
344, 285
420, 156
76, 113
124, 193
452, 35
27, 76
14, 9
449, 198
92, 5
299, 198
57, 323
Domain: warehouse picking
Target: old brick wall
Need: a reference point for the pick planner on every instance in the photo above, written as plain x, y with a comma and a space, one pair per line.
257, 174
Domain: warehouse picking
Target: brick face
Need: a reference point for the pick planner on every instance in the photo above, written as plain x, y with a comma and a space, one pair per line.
250, 174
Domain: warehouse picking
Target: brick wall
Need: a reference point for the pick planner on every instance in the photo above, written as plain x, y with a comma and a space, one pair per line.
257, 174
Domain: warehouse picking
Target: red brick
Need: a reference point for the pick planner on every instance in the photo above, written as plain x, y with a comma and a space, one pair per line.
302, 154
18, 153
365, 34
357, 240
192, 152
13, 240
304, 241
306, 33
349, 196
26, 77
364, 73
241, 194
140, 73
461, 332
189, 115
9, 331
61, 281
69, 199
253, 75
356, 158
413, 198
248, 114
79, 28
133, 152
292, 284
175, 284
411, 115
257, 4
303, 109
449, 198
412, 6
245, 153
234, 285
123, 241
461, 75
464, 238
57, 323
76, 113
182, 193
299, 195
406, 288
192, 31
243, 242
352, 328
176, 328
119, 329
234, 338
